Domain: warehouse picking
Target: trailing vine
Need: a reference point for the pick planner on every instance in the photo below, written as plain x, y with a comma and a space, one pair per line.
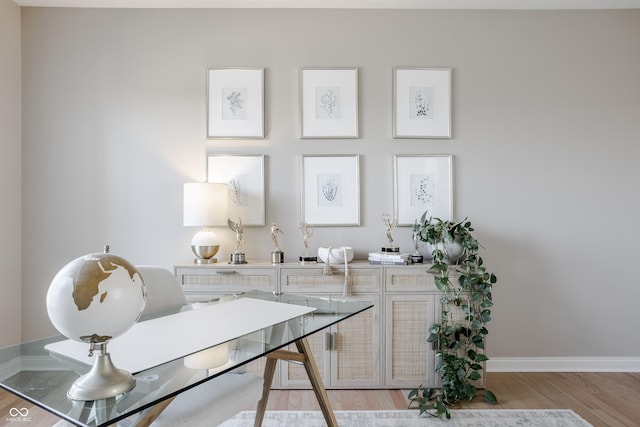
460, 333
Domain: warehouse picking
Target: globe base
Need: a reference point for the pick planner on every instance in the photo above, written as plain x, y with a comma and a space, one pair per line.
102, 382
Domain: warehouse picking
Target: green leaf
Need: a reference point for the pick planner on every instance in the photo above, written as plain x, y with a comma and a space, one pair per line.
489, 397
481, 358
438, 268
442, 283
473, 376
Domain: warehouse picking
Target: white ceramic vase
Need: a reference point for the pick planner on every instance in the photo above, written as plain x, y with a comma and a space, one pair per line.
453, 251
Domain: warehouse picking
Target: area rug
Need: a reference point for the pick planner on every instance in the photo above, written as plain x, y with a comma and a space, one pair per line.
459, 418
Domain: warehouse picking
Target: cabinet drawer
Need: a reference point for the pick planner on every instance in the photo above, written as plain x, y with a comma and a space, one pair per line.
313, 279
203, 282
415, 278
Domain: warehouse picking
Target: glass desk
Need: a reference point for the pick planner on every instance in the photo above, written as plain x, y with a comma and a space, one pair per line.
30, 371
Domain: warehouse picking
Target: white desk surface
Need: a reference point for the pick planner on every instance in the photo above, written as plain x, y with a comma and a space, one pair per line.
157, 341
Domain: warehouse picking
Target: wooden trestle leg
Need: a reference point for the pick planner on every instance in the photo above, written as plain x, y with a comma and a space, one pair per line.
306, 358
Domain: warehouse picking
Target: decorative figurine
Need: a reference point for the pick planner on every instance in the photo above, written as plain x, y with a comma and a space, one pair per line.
237, 257
277, 256
390, 224
416, 258
307, 232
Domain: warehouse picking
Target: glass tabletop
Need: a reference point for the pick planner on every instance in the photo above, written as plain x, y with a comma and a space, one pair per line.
43, 377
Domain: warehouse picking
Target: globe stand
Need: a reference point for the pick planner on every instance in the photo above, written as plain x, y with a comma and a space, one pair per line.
103, 381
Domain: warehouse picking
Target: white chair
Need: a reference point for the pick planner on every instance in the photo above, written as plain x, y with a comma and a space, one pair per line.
210, 403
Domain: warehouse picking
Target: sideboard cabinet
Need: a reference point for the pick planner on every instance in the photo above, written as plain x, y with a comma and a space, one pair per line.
384, 347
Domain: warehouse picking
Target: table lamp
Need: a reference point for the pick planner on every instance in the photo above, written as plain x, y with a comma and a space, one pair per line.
205, 205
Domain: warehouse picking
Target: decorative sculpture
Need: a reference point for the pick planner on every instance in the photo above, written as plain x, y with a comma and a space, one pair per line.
416, 258
390, 224
307, 232
237, 257
277, 256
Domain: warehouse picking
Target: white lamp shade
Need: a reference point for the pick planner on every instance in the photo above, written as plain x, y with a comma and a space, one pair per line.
205, 204
210, 358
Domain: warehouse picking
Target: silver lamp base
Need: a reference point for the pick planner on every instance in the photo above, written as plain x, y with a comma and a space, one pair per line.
103, 381
205, 260
205, 253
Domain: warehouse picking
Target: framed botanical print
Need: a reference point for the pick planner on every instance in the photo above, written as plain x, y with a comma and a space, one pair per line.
330, 190
244, 176
329, 103
235, 103
422, 183
421, 102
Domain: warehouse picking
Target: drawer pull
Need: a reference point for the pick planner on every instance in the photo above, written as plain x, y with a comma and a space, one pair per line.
226, 272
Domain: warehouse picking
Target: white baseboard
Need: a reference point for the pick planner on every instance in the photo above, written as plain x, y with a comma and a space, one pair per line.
563, 364
31, 363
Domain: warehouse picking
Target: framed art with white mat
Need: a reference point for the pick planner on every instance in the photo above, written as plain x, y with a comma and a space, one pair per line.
331, 190
328, 103
235, 103
421, 102
422, 183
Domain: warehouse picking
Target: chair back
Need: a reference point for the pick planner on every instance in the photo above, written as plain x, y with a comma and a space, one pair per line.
164, 293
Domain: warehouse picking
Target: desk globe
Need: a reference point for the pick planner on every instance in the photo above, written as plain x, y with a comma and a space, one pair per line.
94, 298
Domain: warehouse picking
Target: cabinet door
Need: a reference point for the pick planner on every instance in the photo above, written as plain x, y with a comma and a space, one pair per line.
347, 354
293, 375
409, 357
355, 356
458, 316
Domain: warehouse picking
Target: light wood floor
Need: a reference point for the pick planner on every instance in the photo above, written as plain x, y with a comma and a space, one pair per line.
603, 399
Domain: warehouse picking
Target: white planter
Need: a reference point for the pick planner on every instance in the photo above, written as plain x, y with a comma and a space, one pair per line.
452, 250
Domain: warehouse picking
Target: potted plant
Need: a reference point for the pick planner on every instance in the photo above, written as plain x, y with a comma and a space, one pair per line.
459, 334
446, 237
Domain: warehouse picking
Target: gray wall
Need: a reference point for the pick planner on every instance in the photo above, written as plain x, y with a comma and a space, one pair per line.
10, 170
545, 106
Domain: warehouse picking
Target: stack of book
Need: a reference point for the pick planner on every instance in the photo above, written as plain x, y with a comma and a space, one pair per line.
389, 258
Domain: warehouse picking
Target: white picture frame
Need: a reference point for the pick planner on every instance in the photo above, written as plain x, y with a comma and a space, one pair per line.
422, 183
328, 103
330, 190
244, 176
235, 103
422, 102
